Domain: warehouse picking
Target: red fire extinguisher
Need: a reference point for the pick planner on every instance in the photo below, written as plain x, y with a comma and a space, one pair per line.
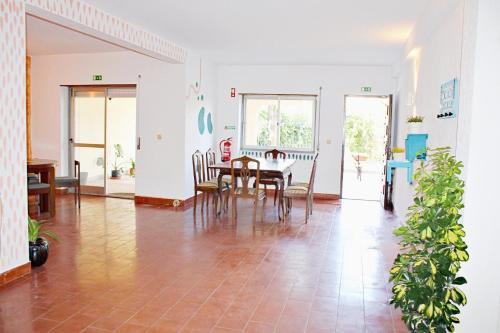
225, 149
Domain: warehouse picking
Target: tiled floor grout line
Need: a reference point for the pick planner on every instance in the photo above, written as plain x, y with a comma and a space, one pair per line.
288, 296
180, 299
260, 299
244, 287
340, 278
142, 307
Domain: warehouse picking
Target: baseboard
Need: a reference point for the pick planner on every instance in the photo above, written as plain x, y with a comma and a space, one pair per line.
326, 197
140, 200
317, 196
15, 273
184, 204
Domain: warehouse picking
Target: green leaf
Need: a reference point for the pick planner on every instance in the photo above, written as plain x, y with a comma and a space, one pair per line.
460, 281
429, 311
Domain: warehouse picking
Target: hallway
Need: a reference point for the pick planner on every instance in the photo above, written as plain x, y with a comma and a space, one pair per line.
125, 268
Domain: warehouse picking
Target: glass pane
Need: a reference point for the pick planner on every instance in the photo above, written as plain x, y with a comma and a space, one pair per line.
297, 123
91, 165
89, 118
261, 122
121, 141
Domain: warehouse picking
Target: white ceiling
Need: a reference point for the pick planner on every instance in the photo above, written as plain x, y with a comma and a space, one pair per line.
362, 32
45, 38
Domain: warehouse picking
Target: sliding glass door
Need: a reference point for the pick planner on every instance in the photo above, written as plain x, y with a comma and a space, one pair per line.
88, 137
103, 139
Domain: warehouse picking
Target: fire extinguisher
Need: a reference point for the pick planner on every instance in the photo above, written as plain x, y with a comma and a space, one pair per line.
225, 149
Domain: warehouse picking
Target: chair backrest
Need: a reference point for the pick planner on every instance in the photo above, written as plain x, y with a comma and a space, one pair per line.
198, 167
210, 159
275, 153
246, 173
77, 169
310, 188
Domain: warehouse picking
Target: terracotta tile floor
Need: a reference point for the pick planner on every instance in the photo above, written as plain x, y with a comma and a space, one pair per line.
121, 268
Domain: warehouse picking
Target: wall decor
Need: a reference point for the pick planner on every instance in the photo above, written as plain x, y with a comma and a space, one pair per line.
210, 126
449, 99
201, 121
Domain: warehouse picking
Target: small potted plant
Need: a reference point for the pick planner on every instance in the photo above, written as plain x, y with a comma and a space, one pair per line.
132, 168
398, 153
38, 246
414, 123
116, 171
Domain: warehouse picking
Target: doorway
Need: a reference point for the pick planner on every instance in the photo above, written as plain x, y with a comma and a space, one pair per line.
367, 134
102, 138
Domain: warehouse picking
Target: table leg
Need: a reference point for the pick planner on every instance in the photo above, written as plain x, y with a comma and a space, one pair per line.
52, 195
45, 198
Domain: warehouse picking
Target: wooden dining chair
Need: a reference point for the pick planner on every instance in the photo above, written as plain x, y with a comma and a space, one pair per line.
212, 175
72, 182
201, 184
276, 182
35, 187
240, 168
302, 191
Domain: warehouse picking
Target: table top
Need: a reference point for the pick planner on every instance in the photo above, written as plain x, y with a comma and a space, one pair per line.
266, 165
41, 162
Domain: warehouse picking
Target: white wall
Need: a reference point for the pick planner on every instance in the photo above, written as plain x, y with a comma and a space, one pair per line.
432, 57
160, 108
337, 81
200, 93
482, 313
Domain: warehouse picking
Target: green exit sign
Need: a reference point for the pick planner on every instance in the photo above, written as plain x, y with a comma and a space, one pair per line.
366, 89
97, 77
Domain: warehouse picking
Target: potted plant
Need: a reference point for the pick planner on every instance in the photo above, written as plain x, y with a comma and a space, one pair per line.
397, 153
425, 272
38, 246
414, 123
116, 171
132, 168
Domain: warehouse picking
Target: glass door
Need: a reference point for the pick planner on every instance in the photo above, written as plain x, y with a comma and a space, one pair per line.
121, 142
88, 137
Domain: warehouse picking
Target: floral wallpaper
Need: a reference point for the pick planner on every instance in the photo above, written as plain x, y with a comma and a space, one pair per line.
13, 209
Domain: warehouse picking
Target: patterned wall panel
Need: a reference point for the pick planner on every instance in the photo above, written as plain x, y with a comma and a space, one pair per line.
13, 215
99, 21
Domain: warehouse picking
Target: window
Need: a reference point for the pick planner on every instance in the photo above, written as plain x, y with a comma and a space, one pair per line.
285, 122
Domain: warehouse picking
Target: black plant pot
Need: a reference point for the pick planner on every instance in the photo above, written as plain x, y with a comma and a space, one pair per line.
39, 252
115, 173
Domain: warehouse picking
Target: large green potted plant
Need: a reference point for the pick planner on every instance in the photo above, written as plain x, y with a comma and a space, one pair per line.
38, 245
425, 272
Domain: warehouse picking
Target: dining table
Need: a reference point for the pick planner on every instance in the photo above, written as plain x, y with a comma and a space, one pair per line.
269, 168
47, 171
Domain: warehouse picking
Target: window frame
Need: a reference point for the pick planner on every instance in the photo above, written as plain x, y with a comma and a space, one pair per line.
279, 98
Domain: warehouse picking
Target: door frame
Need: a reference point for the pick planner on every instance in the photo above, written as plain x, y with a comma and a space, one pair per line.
92, 190
389, 129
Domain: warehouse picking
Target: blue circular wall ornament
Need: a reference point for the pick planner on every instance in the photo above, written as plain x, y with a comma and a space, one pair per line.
210, 126
201, 121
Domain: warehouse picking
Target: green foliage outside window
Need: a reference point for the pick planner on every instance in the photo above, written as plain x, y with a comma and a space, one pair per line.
295, 130
360, 137
425, 273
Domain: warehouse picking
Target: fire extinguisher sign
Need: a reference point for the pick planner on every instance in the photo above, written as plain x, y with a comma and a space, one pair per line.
233, 92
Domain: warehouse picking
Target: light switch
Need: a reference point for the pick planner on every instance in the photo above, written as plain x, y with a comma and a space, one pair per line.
159, 136
329, 142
